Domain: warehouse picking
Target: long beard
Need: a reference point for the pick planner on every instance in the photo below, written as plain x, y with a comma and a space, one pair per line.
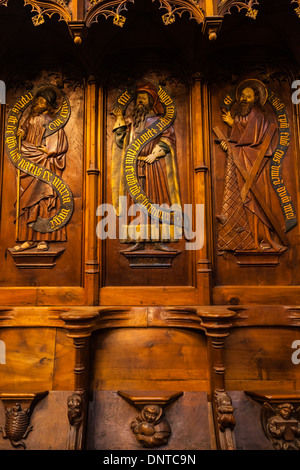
139, 114
243, 109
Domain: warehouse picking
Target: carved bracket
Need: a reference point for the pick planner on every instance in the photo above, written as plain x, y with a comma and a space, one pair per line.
18, 410
150, 426
225, 420
280, 417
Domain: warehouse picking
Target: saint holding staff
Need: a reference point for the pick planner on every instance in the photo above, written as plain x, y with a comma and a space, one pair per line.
156, 162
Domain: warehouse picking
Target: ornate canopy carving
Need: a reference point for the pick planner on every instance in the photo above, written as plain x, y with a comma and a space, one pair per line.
82, 14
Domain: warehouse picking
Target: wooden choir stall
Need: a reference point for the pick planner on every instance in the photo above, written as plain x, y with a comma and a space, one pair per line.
149, 225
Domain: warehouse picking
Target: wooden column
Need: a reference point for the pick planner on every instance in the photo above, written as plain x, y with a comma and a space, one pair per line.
92, 172
2, 134
200, 140
79, 326
217, 323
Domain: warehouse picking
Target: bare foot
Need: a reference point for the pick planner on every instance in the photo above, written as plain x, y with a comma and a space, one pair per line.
24, 246
42, 246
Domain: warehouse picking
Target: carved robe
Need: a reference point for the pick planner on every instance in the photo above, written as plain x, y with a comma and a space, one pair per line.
159, 180
241, 227
36, 197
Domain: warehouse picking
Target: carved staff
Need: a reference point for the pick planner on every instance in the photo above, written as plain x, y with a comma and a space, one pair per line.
18, 195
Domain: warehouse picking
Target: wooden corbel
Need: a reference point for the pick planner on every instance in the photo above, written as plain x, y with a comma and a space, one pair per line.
18, 411
150, 426
280, 417
79, 326
212, 26
77, 30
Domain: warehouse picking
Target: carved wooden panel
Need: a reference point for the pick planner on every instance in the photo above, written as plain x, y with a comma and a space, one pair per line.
256, 219
67, 177
171, 264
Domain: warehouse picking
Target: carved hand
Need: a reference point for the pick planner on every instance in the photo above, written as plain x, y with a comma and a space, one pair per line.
21, 133
157, 152
224, 146
228, 118
43, 148
118, 112
151, 158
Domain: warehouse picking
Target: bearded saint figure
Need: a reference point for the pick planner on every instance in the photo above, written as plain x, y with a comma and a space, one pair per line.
156, 171
243, 223
38, 199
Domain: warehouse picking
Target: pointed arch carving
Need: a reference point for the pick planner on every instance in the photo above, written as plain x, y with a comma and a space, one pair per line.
225, 6
114, 8
49, 8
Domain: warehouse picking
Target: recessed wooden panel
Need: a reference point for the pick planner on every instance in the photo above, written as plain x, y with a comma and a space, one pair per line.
149, 359
261, 358
29, 359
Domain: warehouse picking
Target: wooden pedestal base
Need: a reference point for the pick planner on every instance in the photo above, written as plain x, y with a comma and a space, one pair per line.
33, 259
254, 258
150, 259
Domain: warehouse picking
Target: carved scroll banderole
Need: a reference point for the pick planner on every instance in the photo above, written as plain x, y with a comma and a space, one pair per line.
256, 193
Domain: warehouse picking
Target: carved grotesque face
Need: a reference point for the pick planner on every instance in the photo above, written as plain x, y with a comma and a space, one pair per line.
74, 406
151, 414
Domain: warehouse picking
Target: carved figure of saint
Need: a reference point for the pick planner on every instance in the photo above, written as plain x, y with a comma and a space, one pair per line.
157, 171
244, 223
38, 199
